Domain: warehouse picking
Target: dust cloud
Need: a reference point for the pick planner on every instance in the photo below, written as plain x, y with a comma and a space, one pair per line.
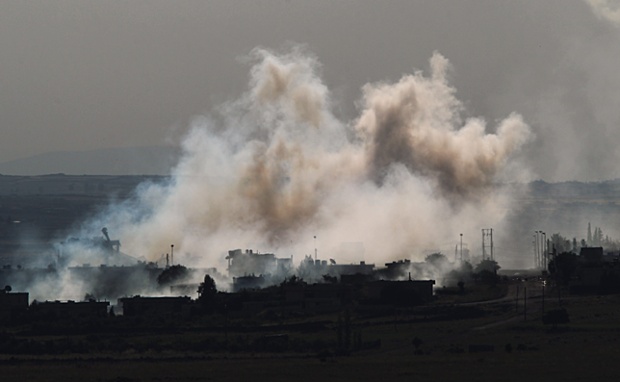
276, 167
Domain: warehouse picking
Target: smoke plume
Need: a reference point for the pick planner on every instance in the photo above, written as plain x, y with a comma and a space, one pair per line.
276, 168
606, 9
416, 122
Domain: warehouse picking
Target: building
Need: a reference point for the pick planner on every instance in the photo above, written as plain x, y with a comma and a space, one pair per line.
315, 270
70, 309
250, 282
242, 263
143, 306
591, 255
12, 305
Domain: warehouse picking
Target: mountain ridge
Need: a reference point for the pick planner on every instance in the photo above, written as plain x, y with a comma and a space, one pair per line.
143, 160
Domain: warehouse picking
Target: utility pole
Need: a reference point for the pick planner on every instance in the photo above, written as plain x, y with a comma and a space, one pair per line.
487, 242
484, 252
491, 229
517, 301
461, 248
524, 303
543, 297
172, 254
543, 239
315, 250
536, 244
535, 248
547, 247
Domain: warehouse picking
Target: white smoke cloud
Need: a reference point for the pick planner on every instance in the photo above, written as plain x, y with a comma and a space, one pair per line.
606, 9
417, 122
276, 168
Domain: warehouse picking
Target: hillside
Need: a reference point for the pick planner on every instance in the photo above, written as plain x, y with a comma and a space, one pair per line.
154, 160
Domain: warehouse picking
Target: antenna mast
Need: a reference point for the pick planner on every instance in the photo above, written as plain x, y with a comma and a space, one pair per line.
487, 242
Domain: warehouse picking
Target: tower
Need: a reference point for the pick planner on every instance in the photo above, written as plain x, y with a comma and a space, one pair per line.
487, 243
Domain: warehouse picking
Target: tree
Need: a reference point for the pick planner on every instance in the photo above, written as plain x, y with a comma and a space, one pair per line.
589, 240
90, 297
486, 271
463, 273
598, 237
487, 265
560, 243
466, 269
294, 280
438, 261
574, 245
207, 291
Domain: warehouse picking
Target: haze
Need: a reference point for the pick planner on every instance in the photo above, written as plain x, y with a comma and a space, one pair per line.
82, 75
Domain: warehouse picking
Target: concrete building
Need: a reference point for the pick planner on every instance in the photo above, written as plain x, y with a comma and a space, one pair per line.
592, 255
248, 282
12, 305
143, 306
242, 263
70, 309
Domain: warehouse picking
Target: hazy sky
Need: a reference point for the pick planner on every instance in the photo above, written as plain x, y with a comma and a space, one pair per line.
80, 75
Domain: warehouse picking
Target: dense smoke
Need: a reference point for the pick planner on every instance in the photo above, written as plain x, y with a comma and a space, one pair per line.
606, 9
416, 122
276, 168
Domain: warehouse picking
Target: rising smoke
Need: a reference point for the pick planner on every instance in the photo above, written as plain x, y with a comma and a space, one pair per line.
416, 122
276, 168
606, 9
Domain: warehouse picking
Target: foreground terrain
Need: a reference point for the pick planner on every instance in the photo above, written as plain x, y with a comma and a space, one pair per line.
485, 341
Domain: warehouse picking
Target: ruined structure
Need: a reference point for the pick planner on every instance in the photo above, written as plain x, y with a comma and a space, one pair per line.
50, 310
249, 262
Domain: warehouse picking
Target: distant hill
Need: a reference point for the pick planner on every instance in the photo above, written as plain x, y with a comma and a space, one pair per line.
63, 185
152, 160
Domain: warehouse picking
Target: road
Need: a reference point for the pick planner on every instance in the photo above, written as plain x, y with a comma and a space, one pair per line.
529, 298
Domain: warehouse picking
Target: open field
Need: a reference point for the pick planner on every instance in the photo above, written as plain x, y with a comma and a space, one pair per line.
482, 342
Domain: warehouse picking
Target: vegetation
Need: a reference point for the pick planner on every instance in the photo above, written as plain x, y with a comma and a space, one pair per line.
207, 292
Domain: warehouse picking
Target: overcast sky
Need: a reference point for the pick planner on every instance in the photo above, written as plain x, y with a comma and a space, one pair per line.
81, 75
